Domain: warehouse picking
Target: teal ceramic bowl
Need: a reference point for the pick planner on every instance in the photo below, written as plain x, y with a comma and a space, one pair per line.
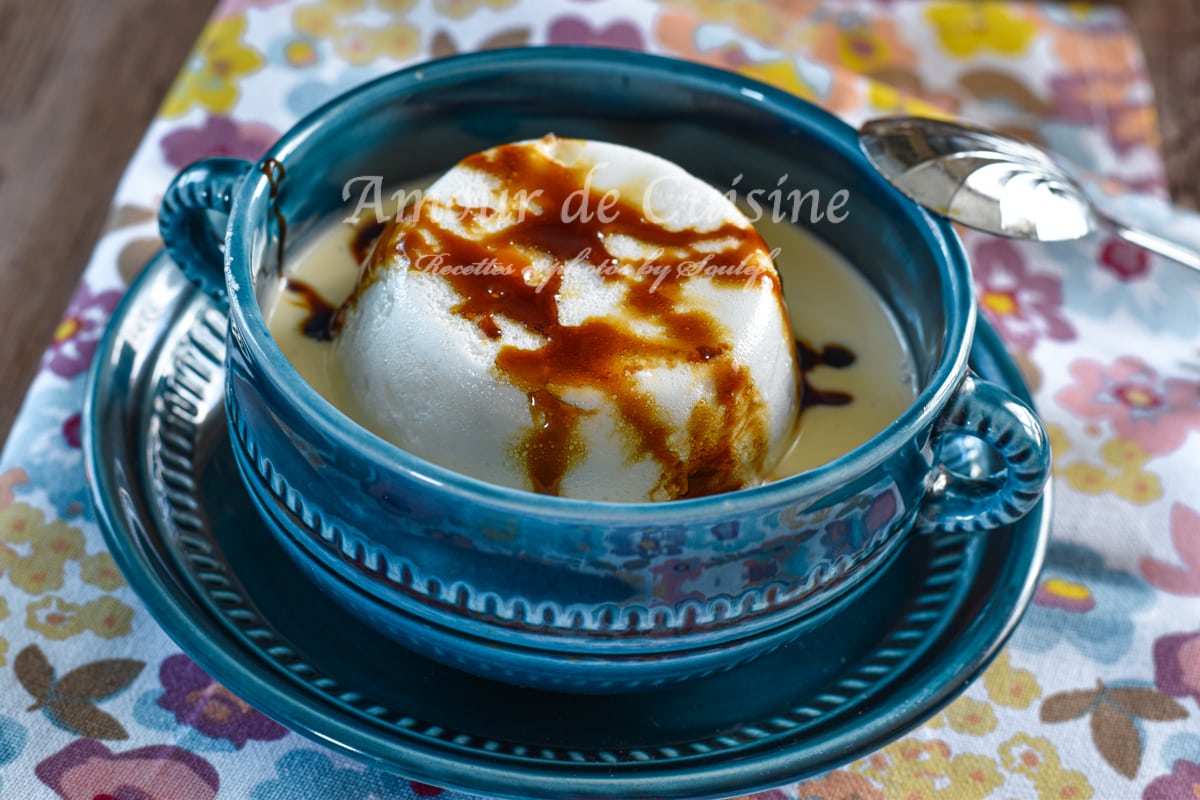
588, 595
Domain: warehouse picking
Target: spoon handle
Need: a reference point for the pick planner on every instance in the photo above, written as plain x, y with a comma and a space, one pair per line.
1155, 244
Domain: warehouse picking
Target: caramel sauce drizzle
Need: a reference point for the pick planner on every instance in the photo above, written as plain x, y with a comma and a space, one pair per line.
275, 172
318, 322
365, 236
603, 354
831, 355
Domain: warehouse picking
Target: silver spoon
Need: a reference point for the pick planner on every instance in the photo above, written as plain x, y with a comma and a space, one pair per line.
994, 183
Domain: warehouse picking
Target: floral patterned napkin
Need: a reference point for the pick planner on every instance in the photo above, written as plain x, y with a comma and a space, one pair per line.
1098, 695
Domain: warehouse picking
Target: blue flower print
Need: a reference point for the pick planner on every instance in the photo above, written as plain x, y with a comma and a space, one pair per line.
321, 777
1085, 604
1106, 278
311, 94
12, 742
47, 438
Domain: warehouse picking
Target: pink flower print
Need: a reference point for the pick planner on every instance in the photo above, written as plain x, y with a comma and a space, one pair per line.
232, 8
199, 701
839, 785
1022, 304
1179, 785
72, 431
578, 31
1177, 665
1102, 100
218, 136
1143, 406
1127, 261
78, 334
1185, 535
10, 479
1065, 595
87, 770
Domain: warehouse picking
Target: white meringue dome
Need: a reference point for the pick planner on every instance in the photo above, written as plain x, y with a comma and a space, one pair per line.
615, 332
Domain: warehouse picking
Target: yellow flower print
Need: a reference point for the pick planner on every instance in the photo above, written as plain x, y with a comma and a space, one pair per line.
210, 77
315, 20
321, 18
780, 23
398, 40
100, 570
3, 642
887, 98
107, 617
781, 74
1025, 755
1131, 482
927, 769
749, 16
60, 541
1066, 784
1060, 445
864, 45
971, 716
965, 28
916, 770
1009, 686
837, 785
1122, 471
356, 31
1036, 758
460, 9
58, 619
1124, 454
300, 53
1137, 487
18, 521
1088, 478
37, 573
357, 44
53, 617
34, 550
972, 777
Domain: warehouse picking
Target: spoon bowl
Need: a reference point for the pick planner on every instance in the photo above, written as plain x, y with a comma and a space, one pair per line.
994, 183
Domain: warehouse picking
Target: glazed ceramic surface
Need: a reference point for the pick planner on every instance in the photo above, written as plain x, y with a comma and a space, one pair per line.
181, 526
594, 589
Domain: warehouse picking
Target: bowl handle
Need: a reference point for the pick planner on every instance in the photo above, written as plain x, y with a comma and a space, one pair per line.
991, 460
193, 217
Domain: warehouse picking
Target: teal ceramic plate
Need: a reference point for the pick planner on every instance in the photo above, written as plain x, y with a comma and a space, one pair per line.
184, 532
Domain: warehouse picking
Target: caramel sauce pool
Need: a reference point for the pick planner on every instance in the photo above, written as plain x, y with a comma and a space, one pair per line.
857, 376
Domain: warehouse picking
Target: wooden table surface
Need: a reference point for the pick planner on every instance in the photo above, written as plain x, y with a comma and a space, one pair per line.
81, 79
